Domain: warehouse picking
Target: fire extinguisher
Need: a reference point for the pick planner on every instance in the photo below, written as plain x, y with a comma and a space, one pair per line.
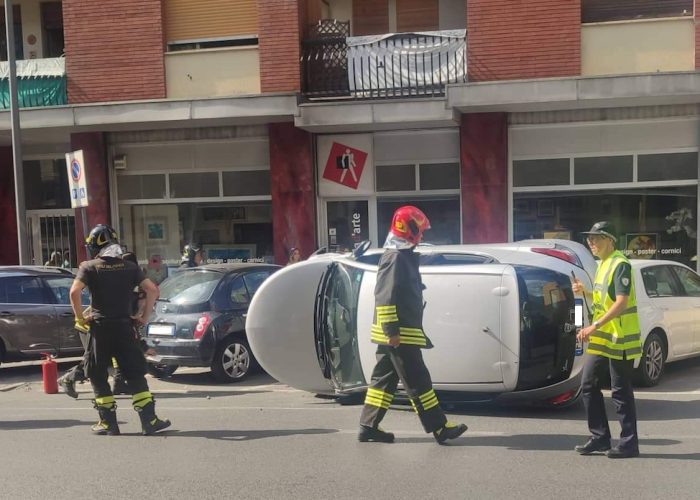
49, 371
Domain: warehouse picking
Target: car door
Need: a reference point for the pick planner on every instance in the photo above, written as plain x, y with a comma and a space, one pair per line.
27, 316
59, 286
690, 282
665, 295
239, 300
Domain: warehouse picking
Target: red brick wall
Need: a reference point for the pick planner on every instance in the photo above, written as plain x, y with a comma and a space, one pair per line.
514, 39
9, 253
293, 190
484, 163
279, 41
114, 50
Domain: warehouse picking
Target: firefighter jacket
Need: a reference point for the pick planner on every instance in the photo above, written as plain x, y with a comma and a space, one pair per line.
620, 337
398, 297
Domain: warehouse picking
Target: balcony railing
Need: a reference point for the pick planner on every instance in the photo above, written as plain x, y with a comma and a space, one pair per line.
40, 82
335, 65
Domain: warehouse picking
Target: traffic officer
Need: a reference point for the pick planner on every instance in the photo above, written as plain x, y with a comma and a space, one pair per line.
614, 342
191, 256
111, 281
398, 331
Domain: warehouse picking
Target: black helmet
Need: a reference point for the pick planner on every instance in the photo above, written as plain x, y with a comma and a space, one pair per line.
189, 252
603, 228
100, 236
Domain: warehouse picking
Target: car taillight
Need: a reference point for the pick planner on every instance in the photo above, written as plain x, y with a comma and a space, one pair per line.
566, 255
202, 324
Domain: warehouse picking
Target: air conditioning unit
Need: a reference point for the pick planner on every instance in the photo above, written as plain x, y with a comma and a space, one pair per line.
119, 162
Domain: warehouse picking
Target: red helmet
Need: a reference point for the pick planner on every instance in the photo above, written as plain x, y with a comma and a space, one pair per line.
409, 223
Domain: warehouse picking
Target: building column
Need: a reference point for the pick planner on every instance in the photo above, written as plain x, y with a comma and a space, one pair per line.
98, 209
293, 190
484, 180
9, 253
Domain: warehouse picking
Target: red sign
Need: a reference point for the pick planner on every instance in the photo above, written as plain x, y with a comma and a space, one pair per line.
345, 165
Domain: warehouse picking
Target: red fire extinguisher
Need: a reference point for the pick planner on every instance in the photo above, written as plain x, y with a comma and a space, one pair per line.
49, 371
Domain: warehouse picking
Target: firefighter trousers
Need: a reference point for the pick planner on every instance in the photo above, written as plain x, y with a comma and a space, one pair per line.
115, 339
404, 363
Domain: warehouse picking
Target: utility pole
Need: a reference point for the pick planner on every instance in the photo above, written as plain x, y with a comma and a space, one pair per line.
16, 138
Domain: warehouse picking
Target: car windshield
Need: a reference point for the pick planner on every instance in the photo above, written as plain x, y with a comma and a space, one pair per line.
189, 287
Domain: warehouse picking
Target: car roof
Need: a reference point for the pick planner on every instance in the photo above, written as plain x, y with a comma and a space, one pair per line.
232, 267
34, 271
641, 263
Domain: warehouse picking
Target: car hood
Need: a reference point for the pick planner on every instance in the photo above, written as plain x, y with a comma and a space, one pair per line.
288, 298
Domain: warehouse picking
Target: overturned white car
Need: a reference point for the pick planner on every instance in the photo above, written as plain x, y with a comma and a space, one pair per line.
502, 318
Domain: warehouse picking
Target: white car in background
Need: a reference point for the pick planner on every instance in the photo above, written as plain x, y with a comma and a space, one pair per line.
668, 301
502, 317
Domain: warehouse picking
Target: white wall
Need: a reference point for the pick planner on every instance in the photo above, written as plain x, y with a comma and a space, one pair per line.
31, 25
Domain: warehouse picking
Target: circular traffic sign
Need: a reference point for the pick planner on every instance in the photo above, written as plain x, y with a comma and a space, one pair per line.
75, 170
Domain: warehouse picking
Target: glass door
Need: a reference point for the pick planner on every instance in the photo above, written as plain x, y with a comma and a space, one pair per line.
347, 224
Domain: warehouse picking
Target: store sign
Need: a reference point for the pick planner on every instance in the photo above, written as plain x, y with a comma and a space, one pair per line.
345, 165
77, 183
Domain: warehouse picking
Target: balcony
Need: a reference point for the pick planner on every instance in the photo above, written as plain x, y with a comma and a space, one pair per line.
338, 66
40, 82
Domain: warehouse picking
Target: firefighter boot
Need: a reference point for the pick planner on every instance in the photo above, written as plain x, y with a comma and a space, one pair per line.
449, 431
150, 423
66, 381
377, 435
107, 425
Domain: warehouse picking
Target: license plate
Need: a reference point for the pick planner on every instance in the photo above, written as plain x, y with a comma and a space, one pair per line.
161, 329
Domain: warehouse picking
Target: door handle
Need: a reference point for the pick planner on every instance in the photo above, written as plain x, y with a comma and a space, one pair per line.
66, 314
6, 314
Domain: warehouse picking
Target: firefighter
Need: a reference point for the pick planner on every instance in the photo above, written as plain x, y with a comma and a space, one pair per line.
398, 331
192, 256
111, 281
614, 342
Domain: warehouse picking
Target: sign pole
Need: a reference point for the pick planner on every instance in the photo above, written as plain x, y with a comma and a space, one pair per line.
20, 208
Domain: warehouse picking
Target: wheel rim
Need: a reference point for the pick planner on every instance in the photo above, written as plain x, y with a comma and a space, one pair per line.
654, 360
235, 360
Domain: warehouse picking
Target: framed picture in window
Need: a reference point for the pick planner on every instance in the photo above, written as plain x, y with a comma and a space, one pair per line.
156, 229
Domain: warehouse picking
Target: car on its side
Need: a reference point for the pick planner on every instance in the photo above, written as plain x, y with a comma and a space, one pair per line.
502, 317
199, 320
668, 301
35, 313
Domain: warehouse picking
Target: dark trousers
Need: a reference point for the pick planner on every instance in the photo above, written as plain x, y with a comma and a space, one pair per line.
403, 363
622, 396
77, 373
115, 338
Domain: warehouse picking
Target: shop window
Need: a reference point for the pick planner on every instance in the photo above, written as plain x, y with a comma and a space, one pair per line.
596, 11
551, 172
689, 280
52, 28
603, 169
141, 187
667, 167
443, 212
439, 176
200, 185
47, 184
396, 177
246, 183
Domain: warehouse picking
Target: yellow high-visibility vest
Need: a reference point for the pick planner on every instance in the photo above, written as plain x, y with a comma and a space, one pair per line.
619, 338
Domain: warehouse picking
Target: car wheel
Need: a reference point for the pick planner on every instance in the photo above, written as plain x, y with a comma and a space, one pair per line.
233, 360
161, 371
651, 367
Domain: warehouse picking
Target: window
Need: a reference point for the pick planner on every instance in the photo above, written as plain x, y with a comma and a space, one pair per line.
603, 169
254, 280
596, 11
444, 214
60, 288
396, 177
139, 187
200, 185
551, 172
49, 184
689, 280
659, 281
667, 167
456, 259
239, 293
213, 44
439, 176
19, 40
52, 28
22, 290
246, 183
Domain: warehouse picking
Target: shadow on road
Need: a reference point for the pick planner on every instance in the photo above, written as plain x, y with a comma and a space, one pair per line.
201, 394
205, 378
18, 425
235, 435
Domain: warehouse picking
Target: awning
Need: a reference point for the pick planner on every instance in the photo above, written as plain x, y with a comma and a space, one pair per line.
40, 82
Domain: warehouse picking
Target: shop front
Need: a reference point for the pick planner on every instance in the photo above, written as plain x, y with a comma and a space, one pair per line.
640, 175
213, 193
363, 178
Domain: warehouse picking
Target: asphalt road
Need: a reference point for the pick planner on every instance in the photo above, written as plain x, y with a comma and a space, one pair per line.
261, 439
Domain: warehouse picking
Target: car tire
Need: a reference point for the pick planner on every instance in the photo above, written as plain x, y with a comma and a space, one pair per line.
161, 371
651, 367
233, 360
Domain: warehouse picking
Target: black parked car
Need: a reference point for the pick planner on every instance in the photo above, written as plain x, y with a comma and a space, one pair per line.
35, 313
199, 320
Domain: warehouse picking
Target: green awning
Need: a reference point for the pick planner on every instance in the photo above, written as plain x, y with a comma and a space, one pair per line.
35, 91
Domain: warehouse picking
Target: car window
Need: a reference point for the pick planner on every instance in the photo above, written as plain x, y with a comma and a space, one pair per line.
60, 290
659, 281
689, 280
254, 280
454, 259
189, 287
22, 290
239, 293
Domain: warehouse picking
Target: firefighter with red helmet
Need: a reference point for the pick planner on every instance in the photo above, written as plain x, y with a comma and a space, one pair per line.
398, 330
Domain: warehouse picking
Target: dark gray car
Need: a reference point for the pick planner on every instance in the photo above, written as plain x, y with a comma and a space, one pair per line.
35, 313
